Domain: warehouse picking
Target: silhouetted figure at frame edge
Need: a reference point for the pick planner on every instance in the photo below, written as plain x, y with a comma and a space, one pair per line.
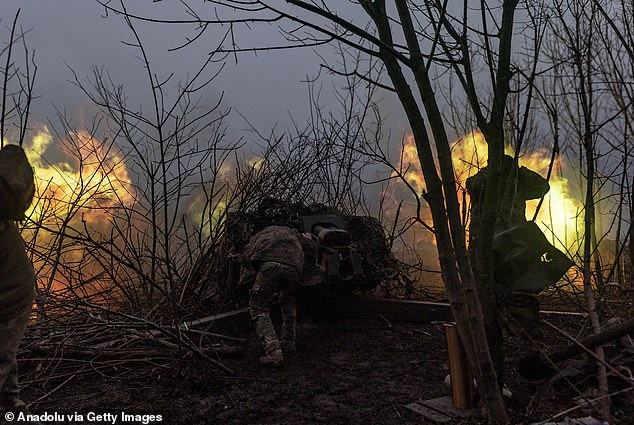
17, 278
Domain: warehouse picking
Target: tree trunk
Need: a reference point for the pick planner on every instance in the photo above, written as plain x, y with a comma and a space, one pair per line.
466, 310
460, 284
632, 247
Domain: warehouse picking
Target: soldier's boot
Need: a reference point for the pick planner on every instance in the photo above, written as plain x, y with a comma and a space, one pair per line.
12, 403
265, 330
274, 358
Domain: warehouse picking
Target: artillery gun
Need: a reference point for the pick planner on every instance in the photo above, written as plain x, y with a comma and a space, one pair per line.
353, 250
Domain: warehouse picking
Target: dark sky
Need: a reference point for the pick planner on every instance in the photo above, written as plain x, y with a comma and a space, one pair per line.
77, 34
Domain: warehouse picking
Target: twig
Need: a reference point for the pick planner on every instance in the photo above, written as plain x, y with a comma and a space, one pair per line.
590, 352
587, 402
58, 387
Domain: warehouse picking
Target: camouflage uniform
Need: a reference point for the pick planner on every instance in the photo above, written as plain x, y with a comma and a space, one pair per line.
276, 257
17, 290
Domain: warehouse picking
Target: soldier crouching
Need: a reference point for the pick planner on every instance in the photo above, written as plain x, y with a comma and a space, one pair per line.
277, 256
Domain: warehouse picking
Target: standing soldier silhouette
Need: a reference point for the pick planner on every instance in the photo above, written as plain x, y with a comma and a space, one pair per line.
518, 312
17, 278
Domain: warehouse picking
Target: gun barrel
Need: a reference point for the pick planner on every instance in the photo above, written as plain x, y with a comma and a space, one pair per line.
331, 236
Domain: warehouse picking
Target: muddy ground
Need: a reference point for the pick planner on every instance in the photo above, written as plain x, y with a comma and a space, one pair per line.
345, 371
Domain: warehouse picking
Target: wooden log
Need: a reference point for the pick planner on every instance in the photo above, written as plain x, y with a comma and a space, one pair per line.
168, 330
53, 352
367, 307
215, 317
539, 366
361, 307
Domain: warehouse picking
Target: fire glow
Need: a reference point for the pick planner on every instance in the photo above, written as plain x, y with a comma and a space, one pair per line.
76, 194
560, 211
92, 178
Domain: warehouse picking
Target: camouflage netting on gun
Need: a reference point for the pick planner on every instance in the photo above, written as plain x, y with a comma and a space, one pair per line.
361, 266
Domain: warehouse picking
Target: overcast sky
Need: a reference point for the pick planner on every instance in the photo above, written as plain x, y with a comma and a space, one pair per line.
78, 34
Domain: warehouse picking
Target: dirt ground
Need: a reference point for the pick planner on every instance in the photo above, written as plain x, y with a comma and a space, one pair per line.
345, 371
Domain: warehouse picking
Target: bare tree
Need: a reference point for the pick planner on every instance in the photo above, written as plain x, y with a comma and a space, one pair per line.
589, 68
18, 80
412, 40
618, 69
413, 43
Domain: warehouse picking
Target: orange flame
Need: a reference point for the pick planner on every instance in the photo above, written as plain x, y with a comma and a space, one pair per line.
91, 177
80, 190
559, 214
